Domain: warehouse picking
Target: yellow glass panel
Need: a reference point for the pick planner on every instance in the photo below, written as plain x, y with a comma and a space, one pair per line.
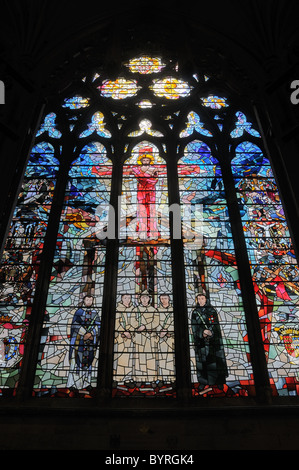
119, 89
170, 88
145, 65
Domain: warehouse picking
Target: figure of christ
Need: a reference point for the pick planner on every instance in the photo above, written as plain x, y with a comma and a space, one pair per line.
125, 324
147, 175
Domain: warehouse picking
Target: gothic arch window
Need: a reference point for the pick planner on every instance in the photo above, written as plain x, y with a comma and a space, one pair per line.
149, 253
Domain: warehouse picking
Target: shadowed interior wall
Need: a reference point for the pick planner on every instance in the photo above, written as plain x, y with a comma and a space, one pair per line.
254, 49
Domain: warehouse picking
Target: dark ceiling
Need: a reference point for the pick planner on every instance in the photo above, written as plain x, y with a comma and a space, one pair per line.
41, 38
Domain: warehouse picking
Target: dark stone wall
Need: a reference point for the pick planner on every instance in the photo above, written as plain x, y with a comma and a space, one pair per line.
255, 49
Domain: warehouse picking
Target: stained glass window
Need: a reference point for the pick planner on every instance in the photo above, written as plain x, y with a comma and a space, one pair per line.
219, 351
148, 252
145, 65
119, 89
170, 88
144, 335
274, 267
67, 362
21, 259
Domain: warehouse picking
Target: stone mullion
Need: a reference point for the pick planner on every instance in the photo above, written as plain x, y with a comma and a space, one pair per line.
181, 328
105, 368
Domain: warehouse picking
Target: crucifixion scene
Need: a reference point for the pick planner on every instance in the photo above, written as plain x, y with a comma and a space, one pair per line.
144, 328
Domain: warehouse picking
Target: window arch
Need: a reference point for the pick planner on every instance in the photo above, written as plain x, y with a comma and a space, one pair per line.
77, 278
102, 294
22, 256
214, 296
144, 343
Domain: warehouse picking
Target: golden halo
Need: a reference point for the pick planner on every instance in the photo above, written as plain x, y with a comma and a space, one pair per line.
145, 155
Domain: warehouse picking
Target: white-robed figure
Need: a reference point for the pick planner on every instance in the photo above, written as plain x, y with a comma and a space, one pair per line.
125, 325
146, 360
85, 331
166, 339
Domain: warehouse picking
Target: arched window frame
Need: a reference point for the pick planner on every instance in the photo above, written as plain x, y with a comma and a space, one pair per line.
118, 157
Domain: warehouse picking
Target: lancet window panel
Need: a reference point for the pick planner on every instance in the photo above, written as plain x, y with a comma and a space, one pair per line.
21, 259
220, 362
68, 353
273, 264
144, 353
